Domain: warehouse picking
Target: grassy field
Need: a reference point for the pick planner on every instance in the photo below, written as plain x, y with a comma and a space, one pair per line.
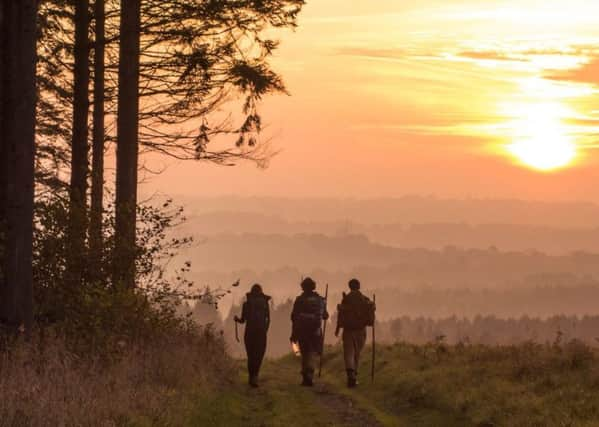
435, 385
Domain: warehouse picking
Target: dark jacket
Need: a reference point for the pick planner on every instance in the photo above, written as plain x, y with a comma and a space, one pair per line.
256, 312
309, 309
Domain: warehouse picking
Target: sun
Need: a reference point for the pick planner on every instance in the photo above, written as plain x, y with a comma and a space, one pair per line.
540, 139
545, 151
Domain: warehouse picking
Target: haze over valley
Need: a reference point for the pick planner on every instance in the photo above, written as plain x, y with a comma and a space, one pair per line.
423, 256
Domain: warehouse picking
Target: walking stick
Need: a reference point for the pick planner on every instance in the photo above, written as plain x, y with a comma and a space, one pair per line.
324, 330
234, 285
373, 340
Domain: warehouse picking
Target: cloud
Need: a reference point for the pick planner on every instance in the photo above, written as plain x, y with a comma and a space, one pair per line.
392, 53
512, 55
365, 52
490, 56
587, 73
521, 55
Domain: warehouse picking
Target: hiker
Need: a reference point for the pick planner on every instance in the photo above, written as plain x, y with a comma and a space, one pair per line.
355, 313
309, 310
255, 314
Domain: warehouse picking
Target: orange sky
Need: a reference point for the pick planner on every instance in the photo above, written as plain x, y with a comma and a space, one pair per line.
454, 98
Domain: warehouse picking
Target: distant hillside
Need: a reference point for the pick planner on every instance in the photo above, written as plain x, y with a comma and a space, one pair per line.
506, 237
426, 282
306, 252
406, 210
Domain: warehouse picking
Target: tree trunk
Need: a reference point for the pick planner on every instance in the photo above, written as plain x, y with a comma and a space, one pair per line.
127, 145
97, 200
4, 31
79, 146
17, 132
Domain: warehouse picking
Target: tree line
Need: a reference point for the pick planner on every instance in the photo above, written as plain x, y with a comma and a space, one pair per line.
489, 330
84, 79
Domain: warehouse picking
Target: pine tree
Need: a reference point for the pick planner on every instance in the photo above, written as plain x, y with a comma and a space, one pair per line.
18, 35
127, 144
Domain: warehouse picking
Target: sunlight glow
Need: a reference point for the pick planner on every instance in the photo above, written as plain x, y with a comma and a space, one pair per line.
541, 139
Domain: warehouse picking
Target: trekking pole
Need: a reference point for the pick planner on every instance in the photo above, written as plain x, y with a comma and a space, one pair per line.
373, 341
234, 285
324, 330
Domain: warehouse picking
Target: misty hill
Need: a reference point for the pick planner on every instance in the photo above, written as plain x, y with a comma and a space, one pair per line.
409, 281
406, 210
507, 237
306, 252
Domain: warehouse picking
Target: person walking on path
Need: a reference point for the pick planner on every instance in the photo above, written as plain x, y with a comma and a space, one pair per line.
355, 313
255, 314
309, 310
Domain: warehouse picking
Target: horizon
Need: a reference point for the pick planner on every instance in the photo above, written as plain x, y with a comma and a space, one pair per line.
349, 198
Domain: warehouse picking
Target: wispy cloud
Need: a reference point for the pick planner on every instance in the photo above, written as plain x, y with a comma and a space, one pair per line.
492, 56
587, 73
366, 52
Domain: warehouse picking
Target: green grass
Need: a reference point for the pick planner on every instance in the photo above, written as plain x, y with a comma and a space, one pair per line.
527, 385
279, 402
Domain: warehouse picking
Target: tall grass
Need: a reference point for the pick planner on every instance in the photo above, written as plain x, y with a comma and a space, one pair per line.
42, 383
525, 385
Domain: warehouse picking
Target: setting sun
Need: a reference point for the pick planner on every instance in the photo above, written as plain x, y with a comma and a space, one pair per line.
544, 152
540, 138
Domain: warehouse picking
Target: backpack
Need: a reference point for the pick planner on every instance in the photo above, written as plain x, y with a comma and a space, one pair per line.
257, 316
310, 311
356, 311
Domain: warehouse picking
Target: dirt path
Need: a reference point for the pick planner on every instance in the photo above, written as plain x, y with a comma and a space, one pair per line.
344, 408
281, 401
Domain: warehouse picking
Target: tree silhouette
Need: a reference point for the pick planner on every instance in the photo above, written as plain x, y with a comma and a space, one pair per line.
127, 144
98, 136
17, 146
79, 145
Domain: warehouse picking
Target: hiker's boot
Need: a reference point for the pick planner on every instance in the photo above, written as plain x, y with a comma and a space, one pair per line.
307, 379
351, 378
254, 381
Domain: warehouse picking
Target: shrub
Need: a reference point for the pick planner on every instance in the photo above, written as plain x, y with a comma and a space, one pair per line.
101, 354
96, 314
